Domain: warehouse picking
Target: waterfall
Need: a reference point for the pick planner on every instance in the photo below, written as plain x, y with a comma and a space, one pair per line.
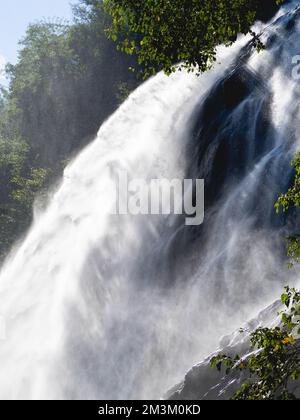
99, 306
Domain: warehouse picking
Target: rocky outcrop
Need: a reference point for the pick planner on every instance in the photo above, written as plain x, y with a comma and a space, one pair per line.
204, 383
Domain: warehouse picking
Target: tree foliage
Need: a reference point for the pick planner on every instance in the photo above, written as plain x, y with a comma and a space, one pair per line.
292, 197
19, 183
163, 33
66, 82
289, 201
275, 359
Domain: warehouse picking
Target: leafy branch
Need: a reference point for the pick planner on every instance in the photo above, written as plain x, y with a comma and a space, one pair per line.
275, 359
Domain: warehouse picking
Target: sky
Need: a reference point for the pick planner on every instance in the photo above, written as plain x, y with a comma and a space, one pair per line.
15, 16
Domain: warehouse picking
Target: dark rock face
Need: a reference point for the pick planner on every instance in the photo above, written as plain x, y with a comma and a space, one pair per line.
223, 145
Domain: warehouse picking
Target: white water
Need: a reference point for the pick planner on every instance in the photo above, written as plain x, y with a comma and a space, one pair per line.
73, 277
89, 301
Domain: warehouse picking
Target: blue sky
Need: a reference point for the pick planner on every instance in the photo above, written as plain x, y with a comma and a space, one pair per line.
15, 15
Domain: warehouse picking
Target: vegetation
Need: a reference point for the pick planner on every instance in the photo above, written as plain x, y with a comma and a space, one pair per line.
292, 197
20, 181
66, 83
290, 200
163, 33
275, 359
274, 362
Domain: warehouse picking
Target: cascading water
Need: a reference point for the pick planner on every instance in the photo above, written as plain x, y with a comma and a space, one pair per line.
99, 306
